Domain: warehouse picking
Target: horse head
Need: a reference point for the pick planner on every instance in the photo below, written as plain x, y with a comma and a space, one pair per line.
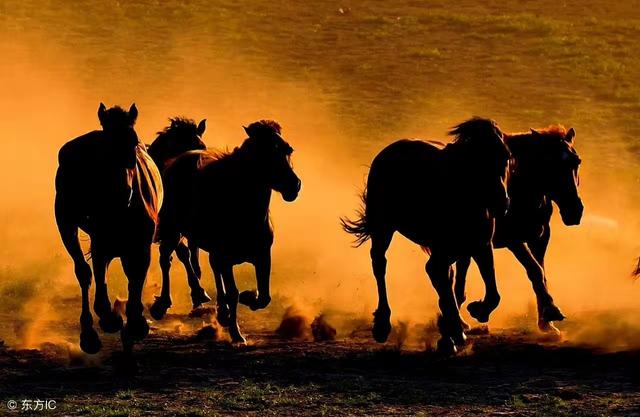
181, 136
271, 155
559, 163
122, 140
485, 159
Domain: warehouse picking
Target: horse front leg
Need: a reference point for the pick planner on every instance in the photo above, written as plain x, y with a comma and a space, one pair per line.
163, 302
382, 316
195, 259
450, 323
198, 295
480, 310
462, 266
110, 321
135, 267
262, 299
68, 228
225, 268
459, 286
547, 310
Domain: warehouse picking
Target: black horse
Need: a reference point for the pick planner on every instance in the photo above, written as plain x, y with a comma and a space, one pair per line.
544, 170
181, 136
220, 202
108, 186
443, 198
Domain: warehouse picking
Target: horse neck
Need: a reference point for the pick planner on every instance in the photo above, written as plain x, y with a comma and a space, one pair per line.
524, 185
257, 191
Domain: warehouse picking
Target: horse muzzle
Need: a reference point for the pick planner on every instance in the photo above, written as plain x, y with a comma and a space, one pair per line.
572, 216
291, 193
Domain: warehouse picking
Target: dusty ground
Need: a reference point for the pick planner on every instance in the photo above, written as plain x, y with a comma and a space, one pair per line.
506, 373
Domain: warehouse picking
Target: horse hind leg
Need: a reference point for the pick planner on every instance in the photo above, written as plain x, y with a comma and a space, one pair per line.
382, 316
198, 295
110, 321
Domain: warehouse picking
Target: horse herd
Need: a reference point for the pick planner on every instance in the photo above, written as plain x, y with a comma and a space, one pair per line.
458, 201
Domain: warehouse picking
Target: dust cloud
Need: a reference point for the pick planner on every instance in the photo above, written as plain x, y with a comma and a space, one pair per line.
50, 96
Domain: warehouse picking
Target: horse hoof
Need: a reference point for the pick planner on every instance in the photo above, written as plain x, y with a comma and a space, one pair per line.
199, 297
137, 329
552, 313
478, 311
159, 308
90, 342
381, 328
459, 339
261, 302
446, 346
222, 315
248, 298
465, 325
548, 327
111, 322
125, 364
238, 339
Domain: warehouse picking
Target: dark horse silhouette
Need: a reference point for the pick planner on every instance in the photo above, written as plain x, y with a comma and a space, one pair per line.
181, 136
220, 202
443, 198
108, 186
544, 170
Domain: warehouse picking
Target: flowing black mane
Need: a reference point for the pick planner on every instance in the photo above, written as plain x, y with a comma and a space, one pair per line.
473, 128
180, 126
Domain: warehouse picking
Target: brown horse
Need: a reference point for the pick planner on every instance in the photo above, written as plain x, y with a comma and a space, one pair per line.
108, 186
545, 170
443, 198
220, 202
181, 136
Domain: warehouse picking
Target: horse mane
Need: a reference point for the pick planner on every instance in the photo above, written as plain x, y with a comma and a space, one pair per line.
470, 129
255, 129
263, 126
179, 126
149, 183
556, 130
518, 142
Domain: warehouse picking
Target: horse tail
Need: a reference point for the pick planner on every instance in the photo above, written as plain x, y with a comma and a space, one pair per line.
360, 226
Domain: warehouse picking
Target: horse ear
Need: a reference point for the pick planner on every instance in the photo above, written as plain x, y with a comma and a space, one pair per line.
202, 126
533, 131
102, 112
570, 136
246, 129
133, 113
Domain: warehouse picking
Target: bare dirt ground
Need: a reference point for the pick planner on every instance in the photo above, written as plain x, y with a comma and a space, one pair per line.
508, 372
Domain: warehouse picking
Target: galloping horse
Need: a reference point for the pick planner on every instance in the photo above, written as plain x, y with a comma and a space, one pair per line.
181, 136
108, 186
443, 198
544, 170
220, 202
